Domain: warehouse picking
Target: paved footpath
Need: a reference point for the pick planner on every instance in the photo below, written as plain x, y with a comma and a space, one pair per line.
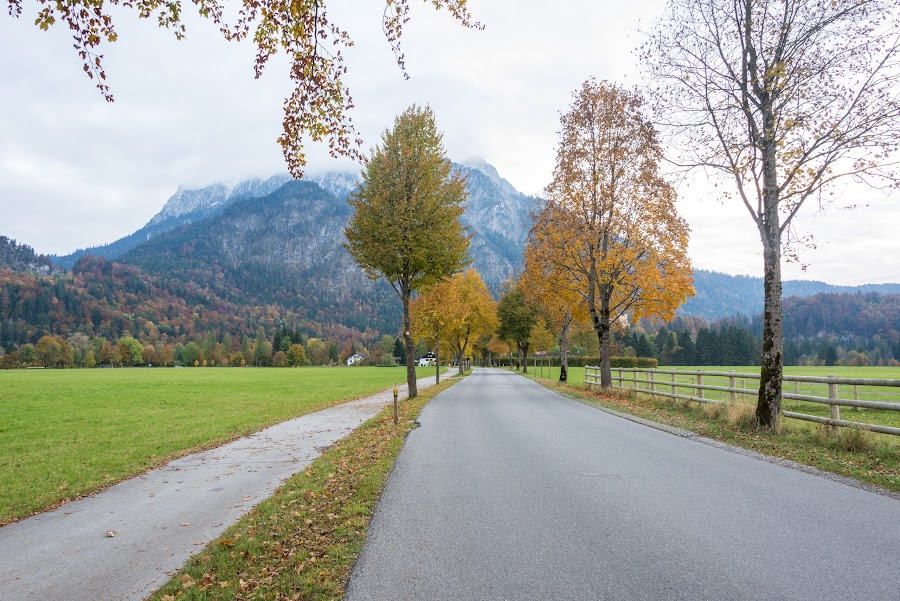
161, 518
510, 491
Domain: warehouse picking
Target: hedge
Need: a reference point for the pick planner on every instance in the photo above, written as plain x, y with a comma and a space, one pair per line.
578, 361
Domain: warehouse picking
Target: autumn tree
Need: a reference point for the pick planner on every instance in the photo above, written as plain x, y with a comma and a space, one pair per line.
781, 99
131, 351
296, 355
406, 226
496, 347
429, 320
608, 231
518, 317
547, 287
318, 107
316, 351
463, 308
48, 351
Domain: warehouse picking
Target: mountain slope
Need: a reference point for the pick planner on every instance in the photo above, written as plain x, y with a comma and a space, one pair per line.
21, 257
721, 295
185, 206
496, 212
283, 249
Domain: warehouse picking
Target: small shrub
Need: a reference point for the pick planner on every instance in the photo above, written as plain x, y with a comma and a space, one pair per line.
744, 417
854, 440
716, 411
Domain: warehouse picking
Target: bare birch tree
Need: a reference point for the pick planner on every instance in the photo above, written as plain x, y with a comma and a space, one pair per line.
783, 97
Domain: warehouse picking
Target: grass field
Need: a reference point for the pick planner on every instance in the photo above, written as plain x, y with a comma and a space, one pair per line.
64, 433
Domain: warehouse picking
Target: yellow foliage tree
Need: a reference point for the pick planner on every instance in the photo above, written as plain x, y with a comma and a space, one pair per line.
476, 314
609, 232
455, 313
429, 320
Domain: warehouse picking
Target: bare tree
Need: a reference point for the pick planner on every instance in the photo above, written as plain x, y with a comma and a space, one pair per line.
784, 97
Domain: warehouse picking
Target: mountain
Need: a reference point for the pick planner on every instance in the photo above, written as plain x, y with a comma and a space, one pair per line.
21, 257
284, 249
496, 212
720, 295
185, 206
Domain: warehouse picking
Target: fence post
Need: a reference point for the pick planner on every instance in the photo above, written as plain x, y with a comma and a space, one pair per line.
395, 404
835, 409
856, 395
621, 379
652, 380
700, 383
797, 391
732, 395
674, 385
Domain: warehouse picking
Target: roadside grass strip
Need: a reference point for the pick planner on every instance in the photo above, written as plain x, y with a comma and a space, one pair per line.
301, 543
870, 458
65, 433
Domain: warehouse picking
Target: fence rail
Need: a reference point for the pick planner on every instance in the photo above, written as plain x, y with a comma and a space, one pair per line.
693, 385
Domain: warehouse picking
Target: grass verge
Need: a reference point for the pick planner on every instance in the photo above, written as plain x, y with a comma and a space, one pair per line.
301, 543
65, 433
870, 458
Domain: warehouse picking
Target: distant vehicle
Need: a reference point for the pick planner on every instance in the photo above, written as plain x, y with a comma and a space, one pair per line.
427, 360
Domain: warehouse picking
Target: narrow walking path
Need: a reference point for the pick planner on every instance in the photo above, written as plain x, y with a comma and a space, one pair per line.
123, 542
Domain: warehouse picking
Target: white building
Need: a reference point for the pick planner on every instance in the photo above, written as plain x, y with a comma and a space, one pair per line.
355, 358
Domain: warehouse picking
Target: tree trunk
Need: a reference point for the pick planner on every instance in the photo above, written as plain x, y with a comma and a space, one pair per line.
459, 365
410, 347
601, 321
524, 350
564, 348
437, 358
768, 407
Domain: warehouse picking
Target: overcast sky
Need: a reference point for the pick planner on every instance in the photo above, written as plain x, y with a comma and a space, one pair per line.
76, 171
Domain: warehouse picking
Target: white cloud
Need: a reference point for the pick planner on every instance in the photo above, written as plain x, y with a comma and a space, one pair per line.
76, 171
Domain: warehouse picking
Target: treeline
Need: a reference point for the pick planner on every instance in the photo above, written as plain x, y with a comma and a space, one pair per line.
711, 345
106, 302
286, 348
856, 329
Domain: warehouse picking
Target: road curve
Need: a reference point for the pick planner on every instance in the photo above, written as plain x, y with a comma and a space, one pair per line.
510, 491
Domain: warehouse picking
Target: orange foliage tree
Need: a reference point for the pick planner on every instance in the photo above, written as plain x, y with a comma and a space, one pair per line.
559, 302
608, 232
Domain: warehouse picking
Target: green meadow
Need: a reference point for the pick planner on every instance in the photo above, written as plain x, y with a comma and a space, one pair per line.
65, 433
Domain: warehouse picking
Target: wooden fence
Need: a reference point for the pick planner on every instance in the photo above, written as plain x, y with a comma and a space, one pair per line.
722, 387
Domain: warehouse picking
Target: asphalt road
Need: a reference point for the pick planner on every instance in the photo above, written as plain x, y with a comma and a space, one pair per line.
509, 491
125, 541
